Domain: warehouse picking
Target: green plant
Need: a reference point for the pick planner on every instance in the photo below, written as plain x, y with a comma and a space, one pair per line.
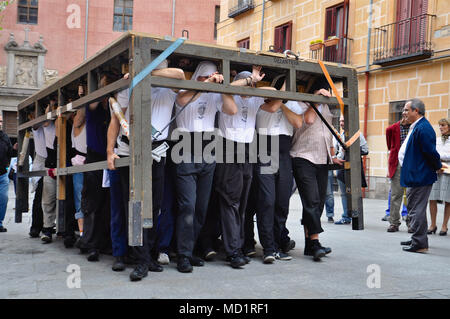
316, 41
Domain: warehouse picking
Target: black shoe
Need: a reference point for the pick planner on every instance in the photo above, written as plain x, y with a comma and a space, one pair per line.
415, 249
250, 252
309, 252
69, 242
330, 219
34, 233
443, 233
3, 229
119, 264
317, 250
93, 256
153, 266
197, 262
282, 256
406, 243
288, 246
141, 271
269, 258
246, 259
183, 264
237, 261
432, 231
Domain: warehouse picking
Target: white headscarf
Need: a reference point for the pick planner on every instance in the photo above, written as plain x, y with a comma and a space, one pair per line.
164, 64
204, 68
242, 75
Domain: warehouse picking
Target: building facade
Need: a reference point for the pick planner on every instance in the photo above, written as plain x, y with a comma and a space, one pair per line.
42, 40
400, 48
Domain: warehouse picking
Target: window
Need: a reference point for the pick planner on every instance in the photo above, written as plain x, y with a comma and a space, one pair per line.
216, 20
336, 23
123, 15
283, 37
245, 43
27, 11
395, 111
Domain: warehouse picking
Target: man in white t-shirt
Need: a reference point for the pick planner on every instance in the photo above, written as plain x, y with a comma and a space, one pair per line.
194, 175
162, 102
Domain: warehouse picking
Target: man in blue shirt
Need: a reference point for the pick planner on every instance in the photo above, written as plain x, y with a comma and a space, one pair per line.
419, 161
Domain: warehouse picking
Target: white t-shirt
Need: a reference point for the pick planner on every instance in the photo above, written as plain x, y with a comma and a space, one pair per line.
162, 106
123, 148
200, 114
39, 142
50, 134
79, 142
402, 150
241, 126
276, 123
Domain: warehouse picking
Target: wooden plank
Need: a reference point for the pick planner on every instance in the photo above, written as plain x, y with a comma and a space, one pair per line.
243, 90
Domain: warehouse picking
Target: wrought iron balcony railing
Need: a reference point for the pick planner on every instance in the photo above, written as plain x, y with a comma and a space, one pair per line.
241, 7
404, 40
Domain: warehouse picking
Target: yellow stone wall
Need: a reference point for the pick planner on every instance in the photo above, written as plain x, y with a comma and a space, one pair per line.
427, 80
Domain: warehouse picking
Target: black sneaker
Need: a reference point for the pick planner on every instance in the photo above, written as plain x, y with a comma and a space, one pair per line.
237, 261
210, 255
3, 229
141, 271
34, 233
269, 258
93, 256
330, 219
183, 264
282, 256
197, 262
119, 264
288, 246
46, 236
153, 266
309, 252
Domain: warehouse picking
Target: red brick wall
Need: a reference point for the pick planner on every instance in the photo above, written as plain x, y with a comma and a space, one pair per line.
66, 46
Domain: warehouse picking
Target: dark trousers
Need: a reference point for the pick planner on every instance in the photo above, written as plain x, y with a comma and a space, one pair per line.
311, 180
250, 212
417, 200
166, 219
119, 221
68, 206
272, 208
37, 221
193, 187
143, 254
232, 183
95, 205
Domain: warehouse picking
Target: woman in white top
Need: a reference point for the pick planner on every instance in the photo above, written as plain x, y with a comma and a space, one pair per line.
441, 188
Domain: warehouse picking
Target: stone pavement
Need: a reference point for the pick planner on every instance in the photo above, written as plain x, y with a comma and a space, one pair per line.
364, 264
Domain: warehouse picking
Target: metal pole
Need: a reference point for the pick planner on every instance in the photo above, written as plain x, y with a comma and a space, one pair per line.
262, 25
86, 29
173, 17
369, 36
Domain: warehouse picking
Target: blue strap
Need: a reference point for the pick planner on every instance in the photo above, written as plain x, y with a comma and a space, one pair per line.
149, 68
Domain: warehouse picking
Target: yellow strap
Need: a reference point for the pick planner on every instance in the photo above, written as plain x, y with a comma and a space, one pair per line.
333, 87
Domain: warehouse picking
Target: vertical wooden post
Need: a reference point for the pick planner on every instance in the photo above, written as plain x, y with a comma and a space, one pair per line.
140, 204
353, 173
61, 125
21, 183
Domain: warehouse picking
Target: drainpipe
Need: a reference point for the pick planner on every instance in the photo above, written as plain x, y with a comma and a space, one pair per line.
86, 29
367, 77
262, 24
173, 17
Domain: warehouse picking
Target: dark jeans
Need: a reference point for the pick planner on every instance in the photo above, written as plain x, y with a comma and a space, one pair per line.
193, 186
232, 183
272, 209
311, 180
95, 205
37, 219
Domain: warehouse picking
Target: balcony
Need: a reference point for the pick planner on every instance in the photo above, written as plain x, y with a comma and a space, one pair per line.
335, 50
241, 7
403, 41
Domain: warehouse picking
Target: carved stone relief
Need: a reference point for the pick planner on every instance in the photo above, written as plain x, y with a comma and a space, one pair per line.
25, 71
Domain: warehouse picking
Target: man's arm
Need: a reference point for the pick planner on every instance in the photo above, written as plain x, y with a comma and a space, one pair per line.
310, 114
173, 73
295, 119
113, 132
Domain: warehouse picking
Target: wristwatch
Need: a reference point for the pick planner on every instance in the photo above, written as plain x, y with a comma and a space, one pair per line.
334, 156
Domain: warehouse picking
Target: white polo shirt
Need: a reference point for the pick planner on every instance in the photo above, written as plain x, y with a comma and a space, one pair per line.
39, 142
276, 123
50, 134
123, 148
200, 114
241, 126
162, 107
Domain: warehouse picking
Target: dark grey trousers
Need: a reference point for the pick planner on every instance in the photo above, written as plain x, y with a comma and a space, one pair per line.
417, 198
